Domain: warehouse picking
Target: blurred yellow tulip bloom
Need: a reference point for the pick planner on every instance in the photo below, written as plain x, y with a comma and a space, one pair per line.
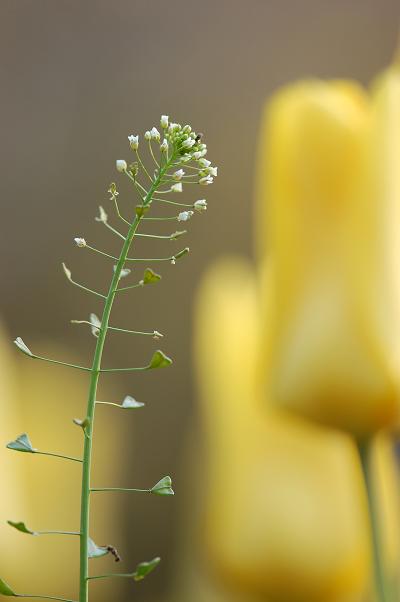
285, 505
329, 209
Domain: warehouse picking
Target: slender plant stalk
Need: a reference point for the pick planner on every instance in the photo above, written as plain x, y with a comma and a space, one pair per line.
184, 145
96, 368
381, 587
43, 597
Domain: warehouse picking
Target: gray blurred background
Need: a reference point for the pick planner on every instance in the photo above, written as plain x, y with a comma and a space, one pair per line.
77, 78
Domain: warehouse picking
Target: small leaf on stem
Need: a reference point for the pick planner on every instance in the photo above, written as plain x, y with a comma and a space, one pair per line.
129, 403
149, 277
163, 487
5, 589
144, 568
182, 253
67, 272
95, 551
140, 210
22, 347
159, 360
21, 527
177, 234
22, 444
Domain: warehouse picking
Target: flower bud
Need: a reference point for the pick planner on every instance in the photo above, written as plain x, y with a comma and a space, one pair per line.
206, 180
164, 146
178, 175
121, 165
212, 171
176, 187
80, 242
164, 121
184, 216
203, 162
155, 134
200, 205
133, 142
188, 143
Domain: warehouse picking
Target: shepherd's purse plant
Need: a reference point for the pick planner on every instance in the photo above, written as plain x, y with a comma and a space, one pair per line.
179, 160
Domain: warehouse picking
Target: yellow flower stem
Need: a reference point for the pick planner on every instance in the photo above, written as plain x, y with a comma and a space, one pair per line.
382, 591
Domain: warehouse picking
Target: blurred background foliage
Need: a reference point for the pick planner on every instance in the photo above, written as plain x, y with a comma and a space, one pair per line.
77, 79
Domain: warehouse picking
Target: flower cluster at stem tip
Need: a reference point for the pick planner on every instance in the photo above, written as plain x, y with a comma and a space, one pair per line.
179, 146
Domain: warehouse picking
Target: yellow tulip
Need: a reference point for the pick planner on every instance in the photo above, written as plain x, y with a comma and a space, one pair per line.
329, 196
285, 505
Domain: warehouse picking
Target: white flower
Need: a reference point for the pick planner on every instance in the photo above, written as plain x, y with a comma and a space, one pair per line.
188, 143
203, 152
176, 187
197, 155
147, 135
200, 205
164, 146
80, 242
134, 142
212, 171
206, 180
184, 216
121, 165
155, 134
204, 162
164, 121
178, 175
185, 158
173, 127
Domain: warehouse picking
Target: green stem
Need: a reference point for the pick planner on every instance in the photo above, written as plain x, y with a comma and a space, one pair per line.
380, 584
150, 334
41, 453
43, 597
96, 369
57, 533
108, 575
120, 489
46, 359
